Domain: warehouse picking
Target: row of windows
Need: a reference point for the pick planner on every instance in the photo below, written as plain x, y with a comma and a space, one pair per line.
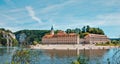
62, 39
98, 39
59, 42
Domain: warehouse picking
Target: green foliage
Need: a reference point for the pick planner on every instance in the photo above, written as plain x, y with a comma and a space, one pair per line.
21, 57
85, 30
81, 60
3, 40
116, 42
2, 29
56, 31
77, 31
112, 43
96, 31
25, 56
69, 31
35, 42
32, 35
108, 43
15, 42
75, 62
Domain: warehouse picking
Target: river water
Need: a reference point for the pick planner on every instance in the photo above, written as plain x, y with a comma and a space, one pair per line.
99, 56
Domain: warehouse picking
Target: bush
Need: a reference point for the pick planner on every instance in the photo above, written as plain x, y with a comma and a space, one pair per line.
81, 60
108, 42
35, 42
76, 62
15, 42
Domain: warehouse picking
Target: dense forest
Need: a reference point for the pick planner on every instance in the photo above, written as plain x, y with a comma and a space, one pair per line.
35, 36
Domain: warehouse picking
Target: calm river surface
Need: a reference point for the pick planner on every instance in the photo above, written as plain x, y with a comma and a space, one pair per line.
62, 56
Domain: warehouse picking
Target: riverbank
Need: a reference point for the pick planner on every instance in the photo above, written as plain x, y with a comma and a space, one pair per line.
72, 47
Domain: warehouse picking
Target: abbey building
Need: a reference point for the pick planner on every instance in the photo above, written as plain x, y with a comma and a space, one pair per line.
60, 38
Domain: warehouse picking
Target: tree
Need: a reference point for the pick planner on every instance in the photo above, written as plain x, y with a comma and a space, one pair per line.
68, 31
31, 35
2, 29
87, 28
77, 30
15, 42
4, 41
101, 31
115, 42
9, 31
91, 30
95, 31
56, 31
83, 29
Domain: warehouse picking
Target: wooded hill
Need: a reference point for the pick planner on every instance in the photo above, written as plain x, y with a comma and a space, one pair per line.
29, 36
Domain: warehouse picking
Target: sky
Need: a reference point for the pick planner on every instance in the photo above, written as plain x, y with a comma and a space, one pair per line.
17, 15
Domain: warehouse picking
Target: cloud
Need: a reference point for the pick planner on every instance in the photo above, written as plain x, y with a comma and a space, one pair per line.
32, 14
107, 3
10, 3
9, 17
16, 10
102, 20
111, 19
57, 6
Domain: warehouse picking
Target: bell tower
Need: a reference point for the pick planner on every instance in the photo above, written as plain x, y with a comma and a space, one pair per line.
52, 31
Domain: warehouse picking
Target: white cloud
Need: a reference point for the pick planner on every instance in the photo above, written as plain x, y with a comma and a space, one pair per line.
16, 10
10, 3
103, 20
111, 19
9, 17
107, 3
32, 14
57, 6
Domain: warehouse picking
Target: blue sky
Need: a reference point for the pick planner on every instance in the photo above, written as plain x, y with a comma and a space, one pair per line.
42, 14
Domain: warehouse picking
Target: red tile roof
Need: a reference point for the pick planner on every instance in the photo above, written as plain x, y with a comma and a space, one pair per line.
94, 35
60, 34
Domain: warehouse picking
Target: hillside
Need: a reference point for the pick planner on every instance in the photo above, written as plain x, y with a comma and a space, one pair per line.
7, 38
29, 36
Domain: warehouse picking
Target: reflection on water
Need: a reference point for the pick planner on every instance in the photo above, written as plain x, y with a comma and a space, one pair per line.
93, 56
6, 54
62, 56
70, 53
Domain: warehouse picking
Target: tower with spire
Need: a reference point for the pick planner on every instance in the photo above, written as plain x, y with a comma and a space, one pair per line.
52, 31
